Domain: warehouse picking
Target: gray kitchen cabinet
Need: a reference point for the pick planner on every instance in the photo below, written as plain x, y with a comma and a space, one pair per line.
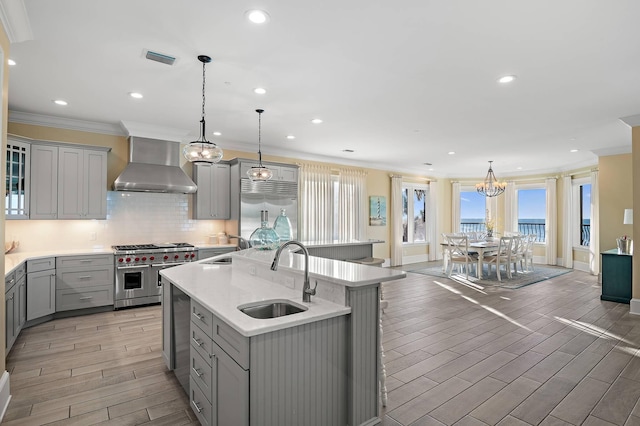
212, 199
44, 182
17, 179
84, 281
219, 384
204, 253
41, 287
15, 305
82, 184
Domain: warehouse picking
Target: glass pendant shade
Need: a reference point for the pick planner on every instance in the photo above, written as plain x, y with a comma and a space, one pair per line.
265, 237
259, 173
282, 226
491, 187
202, 151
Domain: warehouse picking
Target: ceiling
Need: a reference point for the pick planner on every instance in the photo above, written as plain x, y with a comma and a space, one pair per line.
399, 83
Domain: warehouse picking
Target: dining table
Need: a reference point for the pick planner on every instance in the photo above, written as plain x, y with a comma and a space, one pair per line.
476, 247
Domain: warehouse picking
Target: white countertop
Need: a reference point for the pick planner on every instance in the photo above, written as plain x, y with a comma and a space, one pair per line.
223, 287
13, 260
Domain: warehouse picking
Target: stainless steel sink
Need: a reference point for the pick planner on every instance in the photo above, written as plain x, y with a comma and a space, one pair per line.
223, 261
271, 309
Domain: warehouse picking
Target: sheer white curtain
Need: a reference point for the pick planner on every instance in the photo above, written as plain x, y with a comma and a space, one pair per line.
316, 201
551, 222
510, 208
594, 240
432, 221
567, 222
455, 207
396, 220
352, 204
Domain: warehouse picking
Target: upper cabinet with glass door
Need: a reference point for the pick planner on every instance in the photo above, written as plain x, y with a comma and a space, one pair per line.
16, 204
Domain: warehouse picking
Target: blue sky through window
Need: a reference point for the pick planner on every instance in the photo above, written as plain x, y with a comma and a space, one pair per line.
532, 203
472, 205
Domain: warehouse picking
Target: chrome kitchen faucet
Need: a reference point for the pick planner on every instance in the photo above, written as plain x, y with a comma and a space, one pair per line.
307, 291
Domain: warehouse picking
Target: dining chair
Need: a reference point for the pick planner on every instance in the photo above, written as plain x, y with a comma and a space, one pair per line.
528, 252
518, 246
501, 257
459, 253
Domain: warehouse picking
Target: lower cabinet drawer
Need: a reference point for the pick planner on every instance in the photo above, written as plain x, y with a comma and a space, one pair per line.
201, 343
201, 373
94, 277
80, 298
199, 404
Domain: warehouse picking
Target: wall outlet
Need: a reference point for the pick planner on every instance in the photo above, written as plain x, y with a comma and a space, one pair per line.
92, 236
290, 282
252, 270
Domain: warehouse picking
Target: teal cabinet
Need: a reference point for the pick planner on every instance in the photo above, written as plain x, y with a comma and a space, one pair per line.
616, 276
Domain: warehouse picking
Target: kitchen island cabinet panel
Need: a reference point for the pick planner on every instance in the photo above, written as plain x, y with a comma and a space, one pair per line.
212, 199
15, 309
44, 182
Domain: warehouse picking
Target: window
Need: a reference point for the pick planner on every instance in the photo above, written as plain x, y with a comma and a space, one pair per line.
532, 211
414, 216
582, 212
472, 211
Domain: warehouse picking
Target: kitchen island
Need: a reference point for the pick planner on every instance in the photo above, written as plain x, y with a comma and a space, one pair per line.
342, 249
315, 367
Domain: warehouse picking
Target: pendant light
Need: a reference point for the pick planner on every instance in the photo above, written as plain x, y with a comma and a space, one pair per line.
202, 151
259, 173
491, 187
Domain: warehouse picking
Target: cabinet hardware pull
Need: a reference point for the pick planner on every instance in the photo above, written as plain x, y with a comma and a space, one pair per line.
197, 407
11, 298
86, 298
197, 341
86, 260
195, 370
212, 356
84, 277
11, 281
198, 315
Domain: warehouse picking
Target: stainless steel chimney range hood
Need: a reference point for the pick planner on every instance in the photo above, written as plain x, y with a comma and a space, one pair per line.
154, 166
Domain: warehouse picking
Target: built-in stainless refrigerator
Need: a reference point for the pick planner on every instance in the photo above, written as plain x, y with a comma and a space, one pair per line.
249, 198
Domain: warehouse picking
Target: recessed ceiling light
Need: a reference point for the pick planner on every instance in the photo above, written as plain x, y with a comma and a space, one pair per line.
290, 137
257, 16
136, 95
259, 91
451, 152
316, 121
573, 150
217, 134
11, 62
518, 168
430, 169
348, 150
506, 79
60, 102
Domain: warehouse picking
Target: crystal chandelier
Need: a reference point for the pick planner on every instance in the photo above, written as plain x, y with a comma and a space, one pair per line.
259, 173
491, 187
202, 151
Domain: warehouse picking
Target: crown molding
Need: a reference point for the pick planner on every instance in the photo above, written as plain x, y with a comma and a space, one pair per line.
14, 18
66, 123
614, 150
631, 120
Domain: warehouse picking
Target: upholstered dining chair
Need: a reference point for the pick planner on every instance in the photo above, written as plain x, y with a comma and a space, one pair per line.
458, 246
501, 257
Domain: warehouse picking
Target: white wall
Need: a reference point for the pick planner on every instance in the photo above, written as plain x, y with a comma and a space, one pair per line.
132, 218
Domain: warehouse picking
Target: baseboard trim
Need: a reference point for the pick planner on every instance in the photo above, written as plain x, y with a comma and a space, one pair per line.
581, 266
5, 394
634, 306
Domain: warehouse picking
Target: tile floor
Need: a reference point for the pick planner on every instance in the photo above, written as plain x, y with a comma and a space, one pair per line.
548, 353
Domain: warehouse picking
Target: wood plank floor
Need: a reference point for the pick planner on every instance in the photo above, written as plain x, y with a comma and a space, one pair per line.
549, 353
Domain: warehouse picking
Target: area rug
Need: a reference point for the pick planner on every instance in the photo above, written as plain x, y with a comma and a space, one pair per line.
520, 279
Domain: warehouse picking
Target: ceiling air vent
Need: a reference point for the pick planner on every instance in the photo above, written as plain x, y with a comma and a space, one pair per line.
159, 57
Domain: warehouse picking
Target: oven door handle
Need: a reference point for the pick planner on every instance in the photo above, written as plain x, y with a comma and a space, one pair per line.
128, 268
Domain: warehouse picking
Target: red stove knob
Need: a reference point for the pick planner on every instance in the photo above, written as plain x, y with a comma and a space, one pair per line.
128, 259
176, 256
120, 260
166, 257
137, 259
192, 255
151, 257
186, 256
144, 258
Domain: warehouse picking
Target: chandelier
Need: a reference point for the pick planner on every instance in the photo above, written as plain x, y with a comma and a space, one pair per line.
259, 173
491, 187
202, 151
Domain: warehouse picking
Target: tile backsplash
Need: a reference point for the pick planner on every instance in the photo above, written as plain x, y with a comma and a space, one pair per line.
132, 218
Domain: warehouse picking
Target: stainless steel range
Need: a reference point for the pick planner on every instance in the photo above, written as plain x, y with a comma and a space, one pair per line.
138, 267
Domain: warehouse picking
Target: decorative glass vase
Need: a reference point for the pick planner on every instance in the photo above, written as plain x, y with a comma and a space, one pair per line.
264, 238
282, 226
